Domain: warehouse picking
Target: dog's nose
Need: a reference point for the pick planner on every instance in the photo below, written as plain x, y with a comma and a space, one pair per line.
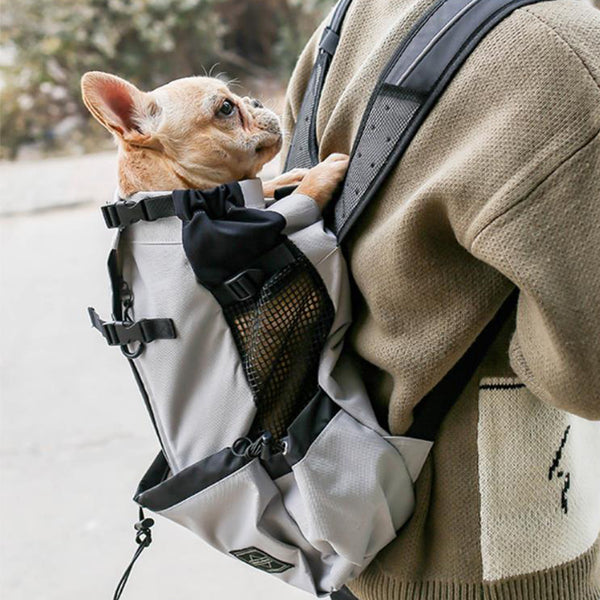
253, 102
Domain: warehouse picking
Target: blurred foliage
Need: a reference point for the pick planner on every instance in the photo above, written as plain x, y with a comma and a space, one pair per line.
46, 45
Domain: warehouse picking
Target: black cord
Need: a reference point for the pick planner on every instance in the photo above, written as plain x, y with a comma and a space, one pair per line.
143, 539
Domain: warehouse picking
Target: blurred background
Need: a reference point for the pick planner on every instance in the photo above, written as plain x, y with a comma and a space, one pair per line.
74, 434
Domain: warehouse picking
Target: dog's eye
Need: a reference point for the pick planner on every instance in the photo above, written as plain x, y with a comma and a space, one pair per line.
227, 108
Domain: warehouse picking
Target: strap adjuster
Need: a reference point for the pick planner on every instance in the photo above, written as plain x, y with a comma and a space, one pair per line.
124, 213
245, 285
122, 333
329, 41
118, 333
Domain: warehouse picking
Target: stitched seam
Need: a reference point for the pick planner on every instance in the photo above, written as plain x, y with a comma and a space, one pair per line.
562, 39
535, 188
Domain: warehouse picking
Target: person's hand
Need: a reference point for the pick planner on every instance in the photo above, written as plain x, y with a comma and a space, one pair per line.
322, 180
293, 177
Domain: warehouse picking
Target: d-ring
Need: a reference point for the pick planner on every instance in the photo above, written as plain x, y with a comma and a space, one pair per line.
135, 353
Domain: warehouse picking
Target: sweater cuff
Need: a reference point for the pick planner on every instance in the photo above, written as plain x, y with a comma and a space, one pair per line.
298, 210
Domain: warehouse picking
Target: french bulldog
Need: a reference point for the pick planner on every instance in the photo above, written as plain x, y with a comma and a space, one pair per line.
195, 133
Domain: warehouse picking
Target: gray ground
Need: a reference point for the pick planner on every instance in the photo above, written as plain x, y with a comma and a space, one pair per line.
75, 437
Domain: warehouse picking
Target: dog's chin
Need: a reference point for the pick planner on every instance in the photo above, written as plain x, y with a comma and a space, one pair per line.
267, 149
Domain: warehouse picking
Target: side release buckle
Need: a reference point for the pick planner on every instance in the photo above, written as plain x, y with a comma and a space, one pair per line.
124, 213
244, 285
122, 333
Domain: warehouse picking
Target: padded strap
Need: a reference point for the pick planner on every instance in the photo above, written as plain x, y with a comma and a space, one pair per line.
120, 333
411, 83
126, 212
303, 150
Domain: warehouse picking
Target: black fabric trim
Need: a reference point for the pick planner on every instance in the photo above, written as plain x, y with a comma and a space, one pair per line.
221, 237
431, 411
157, 472
501, 386
343, 594
157, 493
339, 14
284, 191
430, 78
308, 425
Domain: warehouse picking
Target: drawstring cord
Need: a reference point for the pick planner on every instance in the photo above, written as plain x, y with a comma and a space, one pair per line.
143, 539
264, 446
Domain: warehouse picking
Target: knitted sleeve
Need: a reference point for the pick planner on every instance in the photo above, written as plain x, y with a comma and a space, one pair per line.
549, 246
542, 229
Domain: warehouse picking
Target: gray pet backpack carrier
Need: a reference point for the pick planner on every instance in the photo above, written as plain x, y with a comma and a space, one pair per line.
232, 315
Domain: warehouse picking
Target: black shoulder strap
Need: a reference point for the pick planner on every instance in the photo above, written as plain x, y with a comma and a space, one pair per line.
409, 86
303, 150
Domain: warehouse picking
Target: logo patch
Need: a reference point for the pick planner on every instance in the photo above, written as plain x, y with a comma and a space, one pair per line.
261, 560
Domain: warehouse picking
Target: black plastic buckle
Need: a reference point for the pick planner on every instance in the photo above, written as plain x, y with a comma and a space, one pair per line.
329, 41
124, 213
119, 333
245, 285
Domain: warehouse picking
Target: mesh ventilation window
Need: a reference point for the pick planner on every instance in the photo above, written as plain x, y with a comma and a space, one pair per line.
280, 335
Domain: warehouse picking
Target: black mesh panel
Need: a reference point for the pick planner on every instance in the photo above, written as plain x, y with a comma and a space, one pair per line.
390, 114
280, 335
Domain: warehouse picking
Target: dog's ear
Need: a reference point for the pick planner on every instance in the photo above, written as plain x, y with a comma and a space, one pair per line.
120, 107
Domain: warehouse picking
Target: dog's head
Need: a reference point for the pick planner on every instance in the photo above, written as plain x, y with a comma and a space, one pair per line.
190, 133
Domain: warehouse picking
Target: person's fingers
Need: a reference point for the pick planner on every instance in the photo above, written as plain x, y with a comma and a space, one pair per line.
337, 157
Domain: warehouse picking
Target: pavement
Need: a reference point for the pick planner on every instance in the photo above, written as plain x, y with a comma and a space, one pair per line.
35, 185
74, 434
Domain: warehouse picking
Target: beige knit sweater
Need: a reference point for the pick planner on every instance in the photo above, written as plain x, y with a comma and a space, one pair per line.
500, 187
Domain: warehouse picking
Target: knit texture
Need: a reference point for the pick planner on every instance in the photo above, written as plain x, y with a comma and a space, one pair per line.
500, 187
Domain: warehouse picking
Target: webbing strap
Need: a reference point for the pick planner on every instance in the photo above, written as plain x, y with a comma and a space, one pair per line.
303, 150
410, 84
126, 212
429, 413
248, 283
120, 333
